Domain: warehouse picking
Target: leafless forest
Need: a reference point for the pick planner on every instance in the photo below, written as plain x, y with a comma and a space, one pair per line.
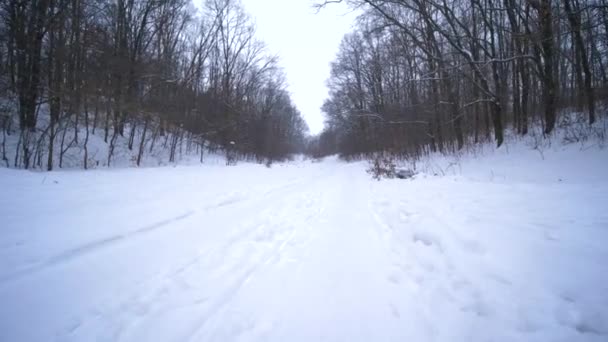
437, 75
162, 69
414, 76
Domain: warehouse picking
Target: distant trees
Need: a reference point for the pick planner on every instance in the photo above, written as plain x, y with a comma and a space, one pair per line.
159, 68
434, 75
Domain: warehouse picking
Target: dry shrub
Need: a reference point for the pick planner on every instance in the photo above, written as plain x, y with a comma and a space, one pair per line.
382, 166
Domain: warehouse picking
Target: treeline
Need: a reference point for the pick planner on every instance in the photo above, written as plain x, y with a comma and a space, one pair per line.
140, 70
435, 75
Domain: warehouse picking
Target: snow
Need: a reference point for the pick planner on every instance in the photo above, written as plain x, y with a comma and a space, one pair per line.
492, 246
156, 147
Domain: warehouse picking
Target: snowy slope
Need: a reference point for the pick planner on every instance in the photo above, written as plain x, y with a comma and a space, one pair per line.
503, 247
156, 150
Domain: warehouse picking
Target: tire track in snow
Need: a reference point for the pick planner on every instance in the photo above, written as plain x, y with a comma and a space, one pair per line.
166, 285
267, 255
100, 244
74, 253
264, 255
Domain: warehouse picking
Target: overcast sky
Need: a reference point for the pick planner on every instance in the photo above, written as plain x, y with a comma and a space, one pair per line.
306, 42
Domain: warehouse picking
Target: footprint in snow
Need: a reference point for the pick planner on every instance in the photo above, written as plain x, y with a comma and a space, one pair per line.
473, 246
394, 278
405, 216
584, 320
427, 239
568, 296
478, 307
72, 326
549, 236
394, 311
499, 279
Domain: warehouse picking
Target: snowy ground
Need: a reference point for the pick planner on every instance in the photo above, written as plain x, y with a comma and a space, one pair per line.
506, 247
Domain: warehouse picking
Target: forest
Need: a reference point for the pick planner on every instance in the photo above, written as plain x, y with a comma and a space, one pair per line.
413, 77
145, 72
418, 76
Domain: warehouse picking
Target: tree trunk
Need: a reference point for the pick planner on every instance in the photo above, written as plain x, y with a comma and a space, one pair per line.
548, 72
575, 25
142, 142
86, 136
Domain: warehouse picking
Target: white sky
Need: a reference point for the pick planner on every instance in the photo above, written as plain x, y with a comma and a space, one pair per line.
306, 42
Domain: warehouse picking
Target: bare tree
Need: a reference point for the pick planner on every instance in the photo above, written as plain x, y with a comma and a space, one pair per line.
450, 68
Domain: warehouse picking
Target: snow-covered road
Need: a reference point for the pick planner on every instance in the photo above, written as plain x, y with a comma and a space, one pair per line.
300, 252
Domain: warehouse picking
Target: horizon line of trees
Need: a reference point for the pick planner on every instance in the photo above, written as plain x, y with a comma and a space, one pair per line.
141, 69
418, 76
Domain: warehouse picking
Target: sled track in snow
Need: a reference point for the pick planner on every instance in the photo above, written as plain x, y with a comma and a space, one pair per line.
74, 253
97, 245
